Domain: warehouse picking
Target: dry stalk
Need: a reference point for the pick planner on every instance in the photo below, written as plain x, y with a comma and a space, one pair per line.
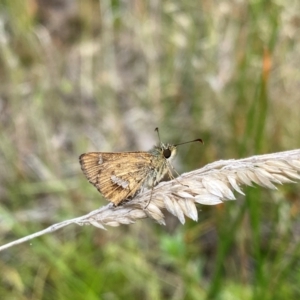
210, 185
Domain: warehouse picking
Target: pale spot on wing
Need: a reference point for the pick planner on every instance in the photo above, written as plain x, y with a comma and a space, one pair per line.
100, 161
119, 181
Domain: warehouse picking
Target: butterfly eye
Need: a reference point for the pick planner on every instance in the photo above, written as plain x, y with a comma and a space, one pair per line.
167, 153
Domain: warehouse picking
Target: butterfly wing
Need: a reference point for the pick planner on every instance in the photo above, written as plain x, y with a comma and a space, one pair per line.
117, 176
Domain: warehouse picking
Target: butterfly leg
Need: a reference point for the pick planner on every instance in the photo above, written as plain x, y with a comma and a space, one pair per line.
172, 177
150, 196
149, 199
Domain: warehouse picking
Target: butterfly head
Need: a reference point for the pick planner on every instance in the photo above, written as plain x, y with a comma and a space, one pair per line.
168, 151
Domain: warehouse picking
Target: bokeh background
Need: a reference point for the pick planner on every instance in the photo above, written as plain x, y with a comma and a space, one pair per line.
86, 75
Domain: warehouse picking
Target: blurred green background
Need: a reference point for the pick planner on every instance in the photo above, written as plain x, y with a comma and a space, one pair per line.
86, 75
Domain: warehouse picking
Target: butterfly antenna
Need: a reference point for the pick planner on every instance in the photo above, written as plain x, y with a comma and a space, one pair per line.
196, 140
156, 129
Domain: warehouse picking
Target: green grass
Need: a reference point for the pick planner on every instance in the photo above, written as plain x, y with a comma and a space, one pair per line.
101, 76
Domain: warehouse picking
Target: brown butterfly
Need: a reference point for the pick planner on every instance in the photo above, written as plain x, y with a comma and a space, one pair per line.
121, 176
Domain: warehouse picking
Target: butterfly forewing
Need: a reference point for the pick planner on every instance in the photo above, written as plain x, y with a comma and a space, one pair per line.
118, 176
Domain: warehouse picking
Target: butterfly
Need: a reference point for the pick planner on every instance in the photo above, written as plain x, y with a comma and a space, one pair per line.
120, 176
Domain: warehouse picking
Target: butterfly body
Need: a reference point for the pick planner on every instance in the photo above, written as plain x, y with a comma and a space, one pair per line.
121, 176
